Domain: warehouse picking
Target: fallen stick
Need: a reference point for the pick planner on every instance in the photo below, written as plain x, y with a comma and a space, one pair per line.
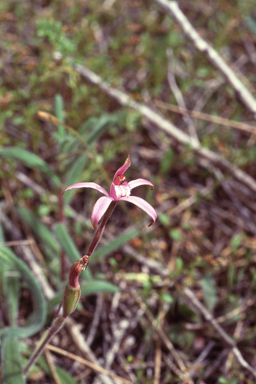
206, 117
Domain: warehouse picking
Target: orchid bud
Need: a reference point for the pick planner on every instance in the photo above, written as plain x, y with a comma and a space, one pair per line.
70, 299
72, 291
76, 269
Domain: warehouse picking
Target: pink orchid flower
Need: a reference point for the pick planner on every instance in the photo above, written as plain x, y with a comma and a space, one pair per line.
119, 190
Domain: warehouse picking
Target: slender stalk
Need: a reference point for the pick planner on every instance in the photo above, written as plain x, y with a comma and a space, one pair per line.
47, 336
62, 254
72, 291
99, 230
69, 302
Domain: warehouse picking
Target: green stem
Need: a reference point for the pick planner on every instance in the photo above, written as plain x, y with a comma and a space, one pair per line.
76, 268
45, 339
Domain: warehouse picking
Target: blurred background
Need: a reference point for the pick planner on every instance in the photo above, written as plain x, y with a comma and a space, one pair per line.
135, 318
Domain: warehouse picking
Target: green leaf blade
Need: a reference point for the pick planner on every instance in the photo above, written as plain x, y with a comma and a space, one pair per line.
69, 246
30, 159
11, 363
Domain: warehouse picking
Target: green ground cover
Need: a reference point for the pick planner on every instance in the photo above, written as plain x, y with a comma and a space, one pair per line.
135, 317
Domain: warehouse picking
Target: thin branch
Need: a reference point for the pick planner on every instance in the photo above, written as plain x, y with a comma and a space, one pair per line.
52, 367
167, 126
178, 95
87, 363
158, 360
206, 117
172, 8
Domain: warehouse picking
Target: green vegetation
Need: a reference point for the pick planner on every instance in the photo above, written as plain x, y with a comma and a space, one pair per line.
56, 129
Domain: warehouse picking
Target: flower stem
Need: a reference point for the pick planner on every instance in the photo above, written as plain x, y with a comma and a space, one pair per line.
45, 339
62, 254
99, 230
70, 298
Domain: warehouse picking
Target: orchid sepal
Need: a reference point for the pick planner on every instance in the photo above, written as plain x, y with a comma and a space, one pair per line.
99, 209
87, 185
138, 182
142, 204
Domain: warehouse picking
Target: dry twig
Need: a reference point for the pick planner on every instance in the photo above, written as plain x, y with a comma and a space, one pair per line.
182, 371
206, 117
93, 366
158, 359
178, 95
50, 362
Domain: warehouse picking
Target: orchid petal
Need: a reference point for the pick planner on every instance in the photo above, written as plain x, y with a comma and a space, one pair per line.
99, 209
136, 183
112, 192
88, 185
143, 204
114, 189
124, 167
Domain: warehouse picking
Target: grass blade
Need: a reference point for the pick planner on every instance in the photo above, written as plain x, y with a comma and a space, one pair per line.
12, 296
11, 364
100, 126
59, 107
74, 174
90, 287
30, 159
97, 286
117, 242
37, 319
40, 229
69, 247
65, 377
